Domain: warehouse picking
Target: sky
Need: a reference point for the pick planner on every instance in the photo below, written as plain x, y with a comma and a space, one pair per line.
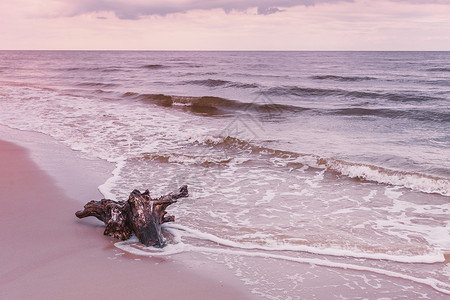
225, 24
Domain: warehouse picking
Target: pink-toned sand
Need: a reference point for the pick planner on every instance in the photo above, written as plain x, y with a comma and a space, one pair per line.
46, 253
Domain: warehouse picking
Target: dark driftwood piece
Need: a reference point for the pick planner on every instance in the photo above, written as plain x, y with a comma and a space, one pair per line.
139, 214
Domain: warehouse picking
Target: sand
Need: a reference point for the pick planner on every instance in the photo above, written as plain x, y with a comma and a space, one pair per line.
47, 253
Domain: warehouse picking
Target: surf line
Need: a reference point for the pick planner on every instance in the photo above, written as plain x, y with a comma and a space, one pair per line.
181, 247
429, 259
431, 282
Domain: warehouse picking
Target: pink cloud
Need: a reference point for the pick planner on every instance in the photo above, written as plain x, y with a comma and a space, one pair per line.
335, 25
134, 9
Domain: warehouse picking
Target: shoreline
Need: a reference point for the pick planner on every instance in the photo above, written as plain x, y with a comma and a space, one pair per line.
76, 173
49, 254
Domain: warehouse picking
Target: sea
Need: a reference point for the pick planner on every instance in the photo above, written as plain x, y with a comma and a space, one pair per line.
312, 175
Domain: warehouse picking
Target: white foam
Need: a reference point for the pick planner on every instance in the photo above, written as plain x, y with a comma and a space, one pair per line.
392, 193
178, 231
412, 181
427, 258
431, 282
115, 140
205, 139
267, 198
405, 222
168, 250
371, 195
314, 181
106, 187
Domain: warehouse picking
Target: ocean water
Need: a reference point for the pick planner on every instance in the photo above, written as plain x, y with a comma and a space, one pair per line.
311, 174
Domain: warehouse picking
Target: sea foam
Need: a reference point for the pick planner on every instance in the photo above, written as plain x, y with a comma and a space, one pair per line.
239, 249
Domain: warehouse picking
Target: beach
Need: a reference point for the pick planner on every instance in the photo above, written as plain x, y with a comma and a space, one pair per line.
311, 175
48, 254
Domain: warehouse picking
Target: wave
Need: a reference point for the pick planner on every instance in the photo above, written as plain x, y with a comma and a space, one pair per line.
342, 78
101, 69
437, 82
420, 115
179, 232
204, 161
222, 83
417, 258
96, 84
209, 82
77, 69
301, 91
411, 180
111, 68
209, 105
100, 91
187, 64
444, 69
158, 99
283, 253
155, 66
415, 181
319, 92
217, 106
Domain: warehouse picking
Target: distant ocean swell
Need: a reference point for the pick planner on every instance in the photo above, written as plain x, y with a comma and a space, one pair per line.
97, 84
94, 69
309, 92
298, 91
413, 113
118, 68
157, 66
439, 69
342, 78
222, 83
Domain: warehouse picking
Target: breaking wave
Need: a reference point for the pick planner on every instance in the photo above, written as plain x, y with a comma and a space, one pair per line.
213, 105
210, 105
411, 180
204, 161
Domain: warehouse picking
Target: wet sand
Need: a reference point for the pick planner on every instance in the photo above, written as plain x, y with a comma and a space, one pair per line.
47, 253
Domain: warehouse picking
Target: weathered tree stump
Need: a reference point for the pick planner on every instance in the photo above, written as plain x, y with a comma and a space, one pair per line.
139, 214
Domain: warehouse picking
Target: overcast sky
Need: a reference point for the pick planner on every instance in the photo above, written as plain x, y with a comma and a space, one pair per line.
225, 24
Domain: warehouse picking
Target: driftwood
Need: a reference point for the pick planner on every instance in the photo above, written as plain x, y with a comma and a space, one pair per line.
139, 214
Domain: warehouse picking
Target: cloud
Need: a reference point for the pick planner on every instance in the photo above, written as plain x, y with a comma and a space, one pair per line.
134, 9
424, 1
268, 10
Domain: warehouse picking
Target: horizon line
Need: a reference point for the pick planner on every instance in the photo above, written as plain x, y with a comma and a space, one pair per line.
221, 50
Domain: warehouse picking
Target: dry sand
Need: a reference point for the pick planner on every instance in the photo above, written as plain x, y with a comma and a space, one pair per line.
46, 253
